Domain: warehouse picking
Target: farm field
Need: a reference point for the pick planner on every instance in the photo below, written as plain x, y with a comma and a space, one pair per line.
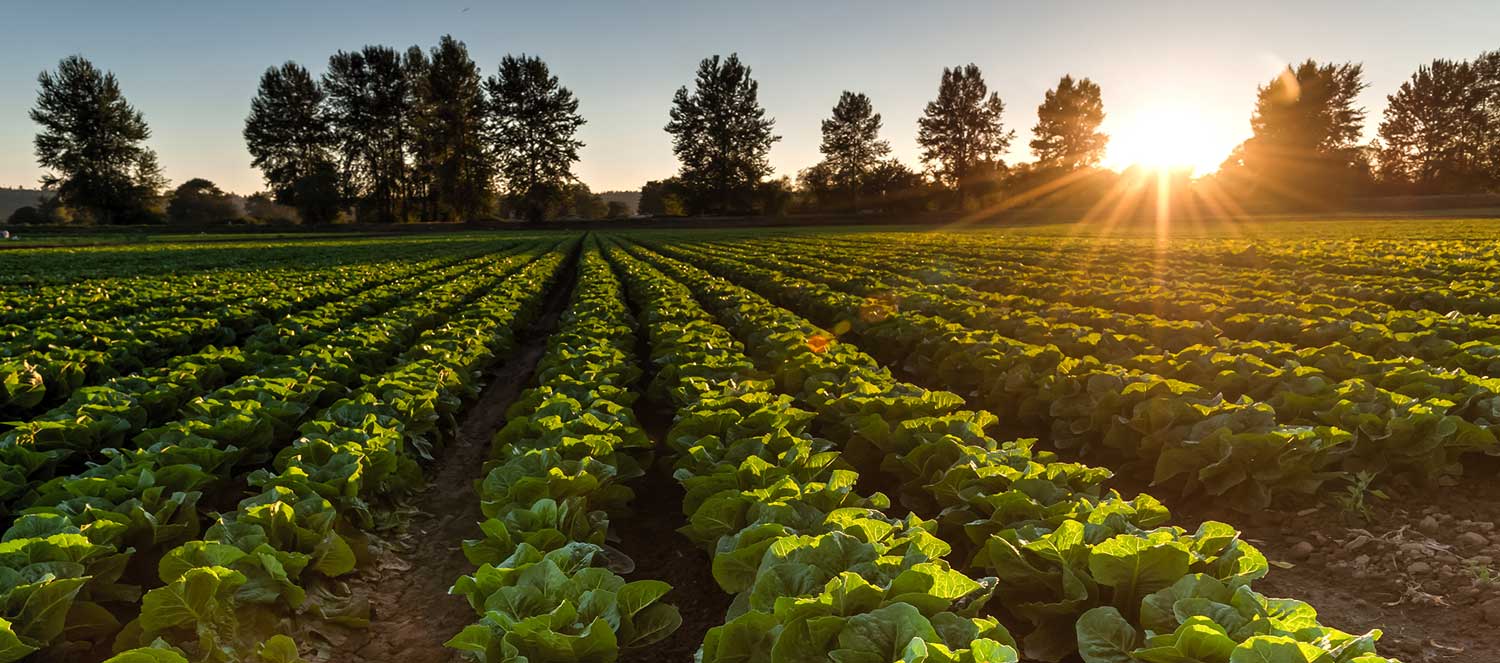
1270, 442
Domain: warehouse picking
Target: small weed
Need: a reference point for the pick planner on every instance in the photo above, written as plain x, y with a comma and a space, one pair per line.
1358, 497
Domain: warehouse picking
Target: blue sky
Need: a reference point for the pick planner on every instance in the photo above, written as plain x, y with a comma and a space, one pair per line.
192, 67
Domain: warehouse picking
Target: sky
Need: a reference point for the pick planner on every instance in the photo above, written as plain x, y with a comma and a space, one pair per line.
1178, 78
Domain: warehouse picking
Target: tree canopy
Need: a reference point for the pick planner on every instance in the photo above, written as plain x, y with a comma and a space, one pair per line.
721, 136
851, 146
1304, 130
453, 157
287, 133
1441, 129
534, 121
962, 133
92, 141
1067, 135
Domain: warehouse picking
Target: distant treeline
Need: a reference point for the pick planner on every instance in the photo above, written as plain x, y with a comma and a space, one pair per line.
392, 136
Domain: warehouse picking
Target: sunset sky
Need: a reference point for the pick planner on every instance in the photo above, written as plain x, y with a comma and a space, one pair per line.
1178, 78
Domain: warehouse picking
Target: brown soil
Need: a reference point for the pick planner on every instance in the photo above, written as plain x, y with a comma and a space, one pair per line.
650, 538
1421, 566
411, 612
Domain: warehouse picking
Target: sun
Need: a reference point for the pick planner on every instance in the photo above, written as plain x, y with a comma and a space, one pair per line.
1165, 136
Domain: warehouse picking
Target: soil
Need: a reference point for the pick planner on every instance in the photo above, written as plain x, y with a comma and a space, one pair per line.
1421, 565
406, 586
650, 538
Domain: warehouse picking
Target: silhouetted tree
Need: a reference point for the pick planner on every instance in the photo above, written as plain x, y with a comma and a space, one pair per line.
819, 187
533, 122
896, 188
663, 198
449, 134
262, 207
319, 195
583, 203
962, 133
1303, 148
1067, 135
26, 215
721, 136
370, 108
851, 143
199, 201
1435, 127
287, 132
92, 141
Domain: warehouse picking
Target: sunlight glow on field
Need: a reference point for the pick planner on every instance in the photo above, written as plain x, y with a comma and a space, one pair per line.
1166, 135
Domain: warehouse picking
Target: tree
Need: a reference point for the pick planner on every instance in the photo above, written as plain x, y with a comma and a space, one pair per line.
896, 188
663, 198
319, 195
818, 183
962, 133
370, 108
262, 207
851, 145
721, 136
92, 140
1433, 133
26, 215
287, 132
1302, 150
533, 120
616, 210
582, 203
450, 127
1067, 127
199, 201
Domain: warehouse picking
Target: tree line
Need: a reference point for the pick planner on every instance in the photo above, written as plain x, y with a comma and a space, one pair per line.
397, 136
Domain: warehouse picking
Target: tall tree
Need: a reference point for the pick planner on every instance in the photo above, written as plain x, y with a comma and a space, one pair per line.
370, 109
288, 136
533, 121
851, 145
1433, 133
962, 133
450, 126
1067, 135
93, 142
1487, 69
1304, 130
721, 136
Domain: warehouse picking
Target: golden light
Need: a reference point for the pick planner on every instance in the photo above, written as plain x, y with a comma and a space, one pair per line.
1167, 135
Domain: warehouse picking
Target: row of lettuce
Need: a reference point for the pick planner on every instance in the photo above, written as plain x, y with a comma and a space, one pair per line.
1212, 418
320, 430
46, 355
544, 589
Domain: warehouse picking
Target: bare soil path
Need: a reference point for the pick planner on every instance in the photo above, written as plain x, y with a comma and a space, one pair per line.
1420, 565
412, 614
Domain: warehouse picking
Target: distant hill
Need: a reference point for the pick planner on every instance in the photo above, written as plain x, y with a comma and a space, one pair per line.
632, 199
13, 199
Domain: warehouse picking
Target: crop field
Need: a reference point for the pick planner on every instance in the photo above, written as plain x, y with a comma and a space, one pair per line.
1259, 445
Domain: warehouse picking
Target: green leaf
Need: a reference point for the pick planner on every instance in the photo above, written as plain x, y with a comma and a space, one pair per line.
11, 647
148, 655
1105, 637
279, 649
